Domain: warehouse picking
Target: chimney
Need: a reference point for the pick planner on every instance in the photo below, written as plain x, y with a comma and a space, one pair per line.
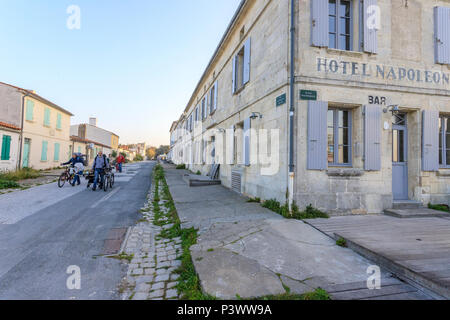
93, 121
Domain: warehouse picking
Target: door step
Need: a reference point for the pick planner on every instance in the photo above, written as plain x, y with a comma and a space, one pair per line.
407, 204
416, 213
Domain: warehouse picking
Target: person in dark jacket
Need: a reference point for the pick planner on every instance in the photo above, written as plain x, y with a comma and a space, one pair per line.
76, 159
101, 162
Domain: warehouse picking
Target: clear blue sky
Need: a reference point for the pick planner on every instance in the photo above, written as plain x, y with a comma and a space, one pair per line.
133, 64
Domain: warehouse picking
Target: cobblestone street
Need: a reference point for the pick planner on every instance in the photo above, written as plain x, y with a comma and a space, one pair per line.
153, 260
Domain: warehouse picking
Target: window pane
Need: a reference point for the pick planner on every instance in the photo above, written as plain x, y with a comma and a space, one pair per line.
401, 146
332, 41
331, 154
343, 119
330, 117
395, 145
448, 157
344, 154
343, 136
344, 9
332, 7
344, 42
330, 136
344, 26
332, 21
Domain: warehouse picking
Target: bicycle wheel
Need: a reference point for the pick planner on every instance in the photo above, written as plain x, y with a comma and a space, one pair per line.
62, 180
106, 183
111, 181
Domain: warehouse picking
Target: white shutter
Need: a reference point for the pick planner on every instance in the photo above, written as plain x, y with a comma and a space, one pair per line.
230, 145
246, 142
247, 58
215, 95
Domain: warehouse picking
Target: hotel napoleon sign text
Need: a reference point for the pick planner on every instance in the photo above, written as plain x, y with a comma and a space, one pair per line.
382, 72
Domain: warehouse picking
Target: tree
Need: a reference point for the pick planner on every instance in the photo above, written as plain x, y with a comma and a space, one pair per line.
151, 153
138, 158
114, 154
162, 150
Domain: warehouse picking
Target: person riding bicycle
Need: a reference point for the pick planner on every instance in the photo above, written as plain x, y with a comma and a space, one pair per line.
101, 162
76, 162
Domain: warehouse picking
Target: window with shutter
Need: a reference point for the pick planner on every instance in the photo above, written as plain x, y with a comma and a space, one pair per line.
442, 34
241, 67
444, 141
58, 121
246, 141
370, 32
317, 135
6, 147
47, 117
339, 133
57, 149
44, 151
430, 140
30, 110
372, 137
319, 23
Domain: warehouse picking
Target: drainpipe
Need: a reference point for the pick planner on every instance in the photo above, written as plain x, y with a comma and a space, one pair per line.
19, 165
292, 109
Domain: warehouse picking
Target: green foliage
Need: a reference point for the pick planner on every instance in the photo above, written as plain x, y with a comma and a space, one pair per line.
198, 173
341, 242
309, 213
319, 294
8, 184
273, 205
138, 158
439, 207
114, 154
22, 174
181, 167
254, 200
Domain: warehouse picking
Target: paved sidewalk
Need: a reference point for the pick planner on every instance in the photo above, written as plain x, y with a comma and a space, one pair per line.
244, 249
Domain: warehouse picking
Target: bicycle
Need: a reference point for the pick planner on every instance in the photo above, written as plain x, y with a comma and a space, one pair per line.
108, 180
67, 175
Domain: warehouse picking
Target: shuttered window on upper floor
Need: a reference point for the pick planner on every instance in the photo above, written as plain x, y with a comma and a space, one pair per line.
213, 98
333, 24
47, 117
442, 34
241, 67
29, 111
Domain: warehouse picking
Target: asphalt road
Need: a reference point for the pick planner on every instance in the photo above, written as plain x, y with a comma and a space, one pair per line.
44, 230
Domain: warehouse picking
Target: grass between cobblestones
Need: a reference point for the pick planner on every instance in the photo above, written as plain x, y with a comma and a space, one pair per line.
188, 282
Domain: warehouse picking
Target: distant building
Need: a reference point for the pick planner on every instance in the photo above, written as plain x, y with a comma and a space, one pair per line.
91, 139
34, 131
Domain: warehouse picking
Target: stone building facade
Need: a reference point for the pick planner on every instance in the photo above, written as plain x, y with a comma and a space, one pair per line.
371, 104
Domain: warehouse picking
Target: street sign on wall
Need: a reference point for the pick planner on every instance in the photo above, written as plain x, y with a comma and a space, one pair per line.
281, 100
308, 95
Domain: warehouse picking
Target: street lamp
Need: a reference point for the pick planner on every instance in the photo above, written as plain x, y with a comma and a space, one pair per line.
392, 108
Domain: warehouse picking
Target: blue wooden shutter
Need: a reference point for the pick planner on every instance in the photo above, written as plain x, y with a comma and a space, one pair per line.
372, 137
47, 117
247, 58
30, 109
215, 94
370, 32
58, 121
317, 135
319, 23
430, 141
234, 75
230, 145
6, 147
246, 144
44, 151
56, 155
442, 34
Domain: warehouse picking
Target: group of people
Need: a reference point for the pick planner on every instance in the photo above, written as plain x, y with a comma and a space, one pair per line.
101, 163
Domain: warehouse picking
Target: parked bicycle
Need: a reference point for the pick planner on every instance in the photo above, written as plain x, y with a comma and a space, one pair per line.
67, 175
